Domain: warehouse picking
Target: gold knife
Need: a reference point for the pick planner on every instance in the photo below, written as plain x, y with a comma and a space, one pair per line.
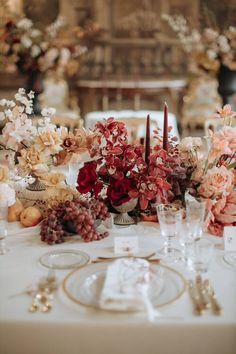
216, 308
203, 298
198, 308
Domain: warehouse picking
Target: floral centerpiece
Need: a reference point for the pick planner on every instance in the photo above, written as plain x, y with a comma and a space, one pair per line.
208, 48
38, 148
120, 173
214, 177
33, 49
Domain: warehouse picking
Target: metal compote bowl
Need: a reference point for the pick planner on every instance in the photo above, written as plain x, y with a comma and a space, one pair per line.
123, 218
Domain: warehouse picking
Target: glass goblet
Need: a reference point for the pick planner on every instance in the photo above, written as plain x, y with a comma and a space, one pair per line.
195, 215
187, 244
202, 255
170, 220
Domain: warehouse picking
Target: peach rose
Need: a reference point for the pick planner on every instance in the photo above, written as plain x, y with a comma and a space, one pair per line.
225, 209
224, 213
48, 141
218, 181
32, 160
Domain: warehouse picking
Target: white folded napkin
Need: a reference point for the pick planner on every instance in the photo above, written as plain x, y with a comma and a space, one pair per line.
126, 286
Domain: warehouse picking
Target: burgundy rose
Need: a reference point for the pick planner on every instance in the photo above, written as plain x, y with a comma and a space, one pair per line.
118, 191
88, 180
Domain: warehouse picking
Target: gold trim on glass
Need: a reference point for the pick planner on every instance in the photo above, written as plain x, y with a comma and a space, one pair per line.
71, 297
75, 265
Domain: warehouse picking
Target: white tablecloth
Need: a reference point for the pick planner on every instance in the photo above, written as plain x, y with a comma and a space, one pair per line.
92, 117
70, 328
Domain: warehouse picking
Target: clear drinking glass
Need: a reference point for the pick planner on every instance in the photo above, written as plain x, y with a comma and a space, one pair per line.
202, 255
195, 215
187, 241
3, 230
170, 220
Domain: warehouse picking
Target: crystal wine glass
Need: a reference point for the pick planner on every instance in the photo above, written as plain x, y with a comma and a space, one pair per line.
195, 215
170, 220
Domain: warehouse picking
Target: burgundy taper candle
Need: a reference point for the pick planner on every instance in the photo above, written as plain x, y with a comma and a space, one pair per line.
165, 128
147, 142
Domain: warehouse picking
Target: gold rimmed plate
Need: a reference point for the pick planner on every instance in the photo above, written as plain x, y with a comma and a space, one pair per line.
64, 259
83, 286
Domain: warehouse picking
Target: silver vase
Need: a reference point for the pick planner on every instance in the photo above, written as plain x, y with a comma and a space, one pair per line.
37, 185
123, 218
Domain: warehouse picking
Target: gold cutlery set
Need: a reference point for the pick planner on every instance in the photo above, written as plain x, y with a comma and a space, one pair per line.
203, 296
43, 296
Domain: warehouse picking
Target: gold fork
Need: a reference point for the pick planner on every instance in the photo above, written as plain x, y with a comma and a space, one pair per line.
203, 298
198, 308
44, 295
216, 308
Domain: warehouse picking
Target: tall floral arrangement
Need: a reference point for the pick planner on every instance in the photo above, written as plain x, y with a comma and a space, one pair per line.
37, 147
119, 172
33, 49
208, 48
214, 177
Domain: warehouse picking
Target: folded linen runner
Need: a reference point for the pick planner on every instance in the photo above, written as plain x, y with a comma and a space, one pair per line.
126, 286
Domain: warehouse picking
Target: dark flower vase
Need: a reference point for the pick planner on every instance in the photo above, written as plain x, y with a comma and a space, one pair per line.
227, 83
33, 79
34, 83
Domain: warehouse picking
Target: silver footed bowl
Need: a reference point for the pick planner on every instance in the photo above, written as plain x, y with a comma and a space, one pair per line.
123, 218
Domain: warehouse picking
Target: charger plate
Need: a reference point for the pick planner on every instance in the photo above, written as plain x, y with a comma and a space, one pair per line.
64, 259
83, 286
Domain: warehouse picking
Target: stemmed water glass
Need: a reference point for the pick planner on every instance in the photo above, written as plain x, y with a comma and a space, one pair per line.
191, 229
170, 220
195, 215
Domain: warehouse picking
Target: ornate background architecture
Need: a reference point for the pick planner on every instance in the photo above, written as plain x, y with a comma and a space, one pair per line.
136, 59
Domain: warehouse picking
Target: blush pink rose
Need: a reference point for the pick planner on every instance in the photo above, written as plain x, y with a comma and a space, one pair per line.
223, 213
218, 181
225, 209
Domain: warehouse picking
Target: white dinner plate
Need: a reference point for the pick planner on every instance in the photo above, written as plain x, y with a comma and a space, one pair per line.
64, 259
84, 285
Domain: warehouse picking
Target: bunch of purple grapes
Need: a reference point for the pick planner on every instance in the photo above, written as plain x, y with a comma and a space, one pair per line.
75, 216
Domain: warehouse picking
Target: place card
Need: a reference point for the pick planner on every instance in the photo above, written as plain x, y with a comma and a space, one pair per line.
127, 245
230, 238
